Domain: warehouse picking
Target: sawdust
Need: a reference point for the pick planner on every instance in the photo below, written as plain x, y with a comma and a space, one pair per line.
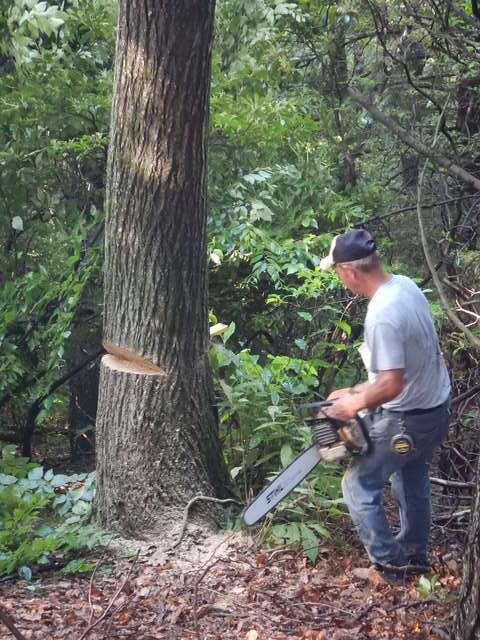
197, 547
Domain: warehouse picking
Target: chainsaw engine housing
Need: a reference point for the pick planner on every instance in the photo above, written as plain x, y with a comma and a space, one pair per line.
337, 436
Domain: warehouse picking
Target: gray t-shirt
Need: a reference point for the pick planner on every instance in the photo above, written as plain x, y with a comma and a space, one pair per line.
399, 334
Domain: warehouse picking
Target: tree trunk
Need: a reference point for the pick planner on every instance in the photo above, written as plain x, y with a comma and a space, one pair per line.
466, 625
157, 443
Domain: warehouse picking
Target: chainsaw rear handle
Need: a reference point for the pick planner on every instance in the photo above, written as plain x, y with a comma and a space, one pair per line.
363, 428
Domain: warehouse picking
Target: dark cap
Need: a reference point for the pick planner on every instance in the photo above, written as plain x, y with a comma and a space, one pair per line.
352, 245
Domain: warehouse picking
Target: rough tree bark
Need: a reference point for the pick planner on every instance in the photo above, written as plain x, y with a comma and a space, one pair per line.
157, 444
466, 625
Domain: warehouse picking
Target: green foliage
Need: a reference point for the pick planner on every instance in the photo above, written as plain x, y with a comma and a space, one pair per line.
282, 136
426, 586
263, 433
29, 21
43, 517
258, 413
55, 98
13, 465
308, 512
430, 587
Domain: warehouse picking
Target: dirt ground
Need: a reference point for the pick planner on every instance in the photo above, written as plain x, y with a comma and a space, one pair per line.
225, 586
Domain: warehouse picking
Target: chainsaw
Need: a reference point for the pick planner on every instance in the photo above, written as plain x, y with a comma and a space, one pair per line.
331, 440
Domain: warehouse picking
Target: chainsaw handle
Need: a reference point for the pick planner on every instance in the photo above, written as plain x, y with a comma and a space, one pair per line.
316, 405
363, 428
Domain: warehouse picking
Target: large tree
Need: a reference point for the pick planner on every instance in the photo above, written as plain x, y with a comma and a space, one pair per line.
157, 444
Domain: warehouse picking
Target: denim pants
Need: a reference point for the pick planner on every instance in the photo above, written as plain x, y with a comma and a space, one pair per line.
367, 475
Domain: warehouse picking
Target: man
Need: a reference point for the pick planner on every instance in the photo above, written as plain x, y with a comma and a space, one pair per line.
407, 394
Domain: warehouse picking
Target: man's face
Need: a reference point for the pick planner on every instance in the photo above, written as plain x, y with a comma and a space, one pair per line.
351, 277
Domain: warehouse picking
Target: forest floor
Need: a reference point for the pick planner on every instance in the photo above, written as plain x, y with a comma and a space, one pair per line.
225, 586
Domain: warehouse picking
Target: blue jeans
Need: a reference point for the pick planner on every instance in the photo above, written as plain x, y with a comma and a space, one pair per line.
368, 474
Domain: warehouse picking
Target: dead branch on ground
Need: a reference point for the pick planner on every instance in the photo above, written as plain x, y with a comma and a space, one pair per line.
112, 599
187, 509
8, 622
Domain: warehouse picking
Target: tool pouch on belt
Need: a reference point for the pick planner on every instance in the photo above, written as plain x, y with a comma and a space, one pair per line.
393, 427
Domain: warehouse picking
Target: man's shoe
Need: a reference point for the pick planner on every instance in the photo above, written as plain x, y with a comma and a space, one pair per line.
392, 573
396, 573
418, 564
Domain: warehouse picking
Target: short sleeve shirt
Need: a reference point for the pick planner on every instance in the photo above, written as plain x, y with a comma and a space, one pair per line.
400, 334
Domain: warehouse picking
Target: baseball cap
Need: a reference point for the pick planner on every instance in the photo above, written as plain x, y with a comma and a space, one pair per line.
352, 245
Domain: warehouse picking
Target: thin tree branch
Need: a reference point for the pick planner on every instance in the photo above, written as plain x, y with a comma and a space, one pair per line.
36, 406
8, 622
466, 394
472, 338
112, 600
414, 207
452, 483
473, 22
412, 141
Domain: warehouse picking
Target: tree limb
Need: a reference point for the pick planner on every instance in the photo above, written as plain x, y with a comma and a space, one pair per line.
472, 338
412, 141
187, 509
8, 622
452, 483
465, 394
382, 216
36, 406
473, 22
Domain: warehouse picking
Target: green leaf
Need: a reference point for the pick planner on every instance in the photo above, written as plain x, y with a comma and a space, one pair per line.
78, 565
310, 542
305, 315
286, 454
319, 529
275, 397
234, 472
59, 480
280, 531
424, 587
228, 332
73, 519
25, 573
35, 474
17, 223
87, 495
48, 475
81, 508
43, 531
293, 532
345, 326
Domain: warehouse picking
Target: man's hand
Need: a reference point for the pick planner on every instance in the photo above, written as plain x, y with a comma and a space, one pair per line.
339, 393
387, 385
345, 407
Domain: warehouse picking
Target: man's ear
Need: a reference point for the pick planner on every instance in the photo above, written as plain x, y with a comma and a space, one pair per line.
355, 275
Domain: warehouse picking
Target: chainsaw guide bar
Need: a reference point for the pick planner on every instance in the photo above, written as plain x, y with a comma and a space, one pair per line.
281, 486
332, 440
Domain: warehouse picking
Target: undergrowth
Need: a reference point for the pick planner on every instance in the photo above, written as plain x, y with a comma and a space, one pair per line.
263, 432
44, 517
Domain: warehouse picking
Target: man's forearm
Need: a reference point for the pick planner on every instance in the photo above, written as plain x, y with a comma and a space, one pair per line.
373, 394
368, 395
361, 386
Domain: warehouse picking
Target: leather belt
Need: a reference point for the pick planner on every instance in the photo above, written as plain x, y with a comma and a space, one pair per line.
414, 412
